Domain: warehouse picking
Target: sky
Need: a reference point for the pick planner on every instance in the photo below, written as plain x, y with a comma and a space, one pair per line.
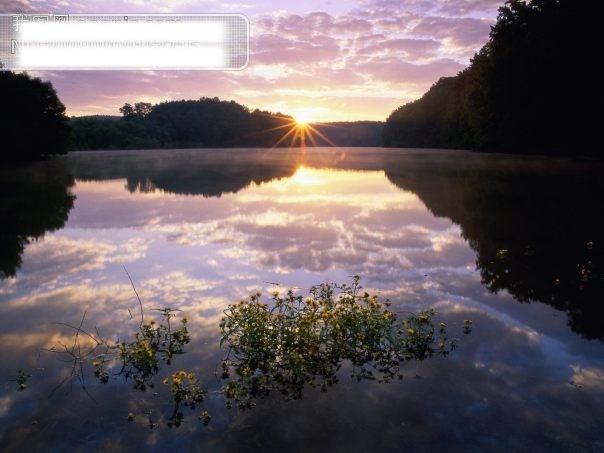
334, 60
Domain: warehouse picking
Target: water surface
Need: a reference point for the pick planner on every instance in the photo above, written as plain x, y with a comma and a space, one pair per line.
514, 244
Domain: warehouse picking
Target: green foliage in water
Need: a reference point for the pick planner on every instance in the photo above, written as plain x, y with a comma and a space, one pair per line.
293, 343
154, 342
138, 360
296, 342
185, 390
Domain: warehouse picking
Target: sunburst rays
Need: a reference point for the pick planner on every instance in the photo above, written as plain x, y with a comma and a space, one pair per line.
300, 134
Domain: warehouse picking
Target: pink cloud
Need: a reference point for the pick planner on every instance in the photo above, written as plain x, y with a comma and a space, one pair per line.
358, 61
348, 25
408, 48
464, 32
466, 7
273, 49
16, 6
396, 70
450, 8
368, 40
393, 23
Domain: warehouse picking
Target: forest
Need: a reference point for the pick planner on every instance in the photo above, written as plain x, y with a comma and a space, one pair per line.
526, 91
209, 123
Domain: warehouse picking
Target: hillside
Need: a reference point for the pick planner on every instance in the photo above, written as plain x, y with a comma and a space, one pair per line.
528, 90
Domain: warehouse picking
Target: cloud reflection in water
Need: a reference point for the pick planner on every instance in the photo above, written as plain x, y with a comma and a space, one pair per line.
506, 387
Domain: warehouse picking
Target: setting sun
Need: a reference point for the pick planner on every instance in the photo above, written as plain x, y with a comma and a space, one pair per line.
301, 120
306, 115
299, 132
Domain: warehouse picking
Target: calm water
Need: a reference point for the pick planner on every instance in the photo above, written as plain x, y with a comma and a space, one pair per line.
514, 244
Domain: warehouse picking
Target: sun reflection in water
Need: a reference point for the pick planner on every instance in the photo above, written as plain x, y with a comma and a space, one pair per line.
307, 177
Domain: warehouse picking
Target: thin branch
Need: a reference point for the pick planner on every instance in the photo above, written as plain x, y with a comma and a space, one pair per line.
79, 329
137, 296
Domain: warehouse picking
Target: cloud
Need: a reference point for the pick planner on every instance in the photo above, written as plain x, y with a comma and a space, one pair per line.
589, 378
461, 34
403, 48
398, 71
5, 404
295, 223
273, 49
104, 92
275, 229
451, 8
469, 7
56, 256
16, 6
384, 52
121, 6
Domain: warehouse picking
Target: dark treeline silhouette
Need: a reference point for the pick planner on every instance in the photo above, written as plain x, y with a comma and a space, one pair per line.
206, 123
34, 199
526, 91
534, 226
348, 133
32, 118
210, 174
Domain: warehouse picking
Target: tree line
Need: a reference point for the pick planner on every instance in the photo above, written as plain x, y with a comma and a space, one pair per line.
210, 123
206, 122
526, 91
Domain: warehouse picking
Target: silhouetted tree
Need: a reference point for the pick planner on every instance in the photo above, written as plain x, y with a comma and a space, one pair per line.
529, 89
32, 118
127, 109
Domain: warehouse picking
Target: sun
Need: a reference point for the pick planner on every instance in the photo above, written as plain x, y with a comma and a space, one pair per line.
301, 129
304, 115
302, 120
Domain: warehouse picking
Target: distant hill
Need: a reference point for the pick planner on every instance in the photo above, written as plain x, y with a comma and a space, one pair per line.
210, 123
349, 133
528, 90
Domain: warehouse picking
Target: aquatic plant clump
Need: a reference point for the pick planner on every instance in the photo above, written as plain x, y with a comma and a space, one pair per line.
295, 342
138, 360
284, 346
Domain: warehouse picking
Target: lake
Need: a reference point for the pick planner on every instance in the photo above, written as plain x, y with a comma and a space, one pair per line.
514, 244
